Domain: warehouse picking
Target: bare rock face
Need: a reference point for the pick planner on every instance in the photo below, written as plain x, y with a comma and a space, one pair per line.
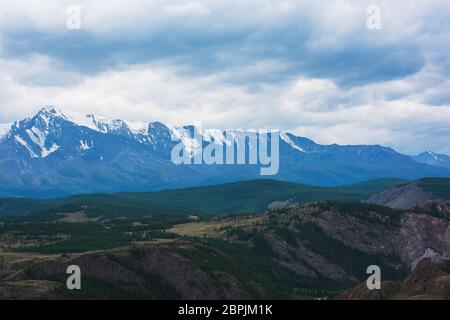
403, 197
430, 254
421, 236
409, 235
372, 234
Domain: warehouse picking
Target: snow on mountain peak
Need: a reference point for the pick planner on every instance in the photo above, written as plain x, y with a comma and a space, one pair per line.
432, 158
137, 127
186, 137
431, 153
19, 140
51, 110
4, 129
284, 136
48, 151
48, 113
144, 133
93, 121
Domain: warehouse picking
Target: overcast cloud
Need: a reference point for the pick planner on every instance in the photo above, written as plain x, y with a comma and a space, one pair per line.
310, 67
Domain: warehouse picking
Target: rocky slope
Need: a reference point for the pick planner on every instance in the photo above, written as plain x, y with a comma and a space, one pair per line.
412, 194
429, 281
402, 197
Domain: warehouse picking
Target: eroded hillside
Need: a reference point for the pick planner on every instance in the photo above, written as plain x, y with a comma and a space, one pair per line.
309, 251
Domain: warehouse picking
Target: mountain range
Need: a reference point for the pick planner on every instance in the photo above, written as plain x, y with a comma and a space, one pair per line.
56, 153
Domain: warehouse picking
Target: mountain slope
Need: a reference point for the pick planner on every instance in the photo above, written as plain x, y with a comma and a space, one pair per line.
57, 153
238, 197
412, 194
310, 251
431, 158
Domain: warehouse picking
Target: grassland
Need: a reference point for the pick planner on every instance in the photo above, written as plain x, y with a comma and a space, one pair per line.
214, 228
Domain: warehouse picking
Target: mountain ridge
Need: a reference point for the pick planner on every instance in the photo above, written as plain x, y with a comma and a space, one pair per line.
229, 198
432, 158
56, 153
119, 126
413, 194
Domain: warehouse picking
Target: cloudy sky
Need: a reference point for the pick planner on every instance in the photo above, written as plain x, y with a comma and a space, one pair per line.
311, 67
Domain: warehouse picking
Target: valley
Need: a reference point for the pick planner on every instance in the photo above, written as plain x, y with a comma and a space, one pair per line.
293, 250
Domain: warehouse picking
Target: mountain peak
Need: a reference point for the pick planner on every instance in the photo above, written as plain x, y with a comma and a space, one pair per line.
432, 158
431, 154
51, 109
49, 112
92, 121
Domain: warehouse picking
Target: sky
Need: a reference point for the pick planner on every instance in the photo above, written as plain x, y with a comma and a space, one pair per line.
313, 68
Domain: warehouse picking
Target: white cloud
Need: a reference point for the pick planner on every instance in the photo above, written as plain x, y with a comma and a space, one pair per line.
306, 106
193, 8
409, 112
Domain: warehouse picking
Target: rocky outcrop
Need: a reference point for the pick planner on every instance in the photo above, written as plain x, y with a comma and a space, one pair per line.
418, 234
409, 235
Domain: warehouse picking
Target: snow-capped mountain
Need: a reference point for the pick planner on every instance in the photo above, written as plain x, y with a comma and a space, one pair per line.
58, 153
431, 158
